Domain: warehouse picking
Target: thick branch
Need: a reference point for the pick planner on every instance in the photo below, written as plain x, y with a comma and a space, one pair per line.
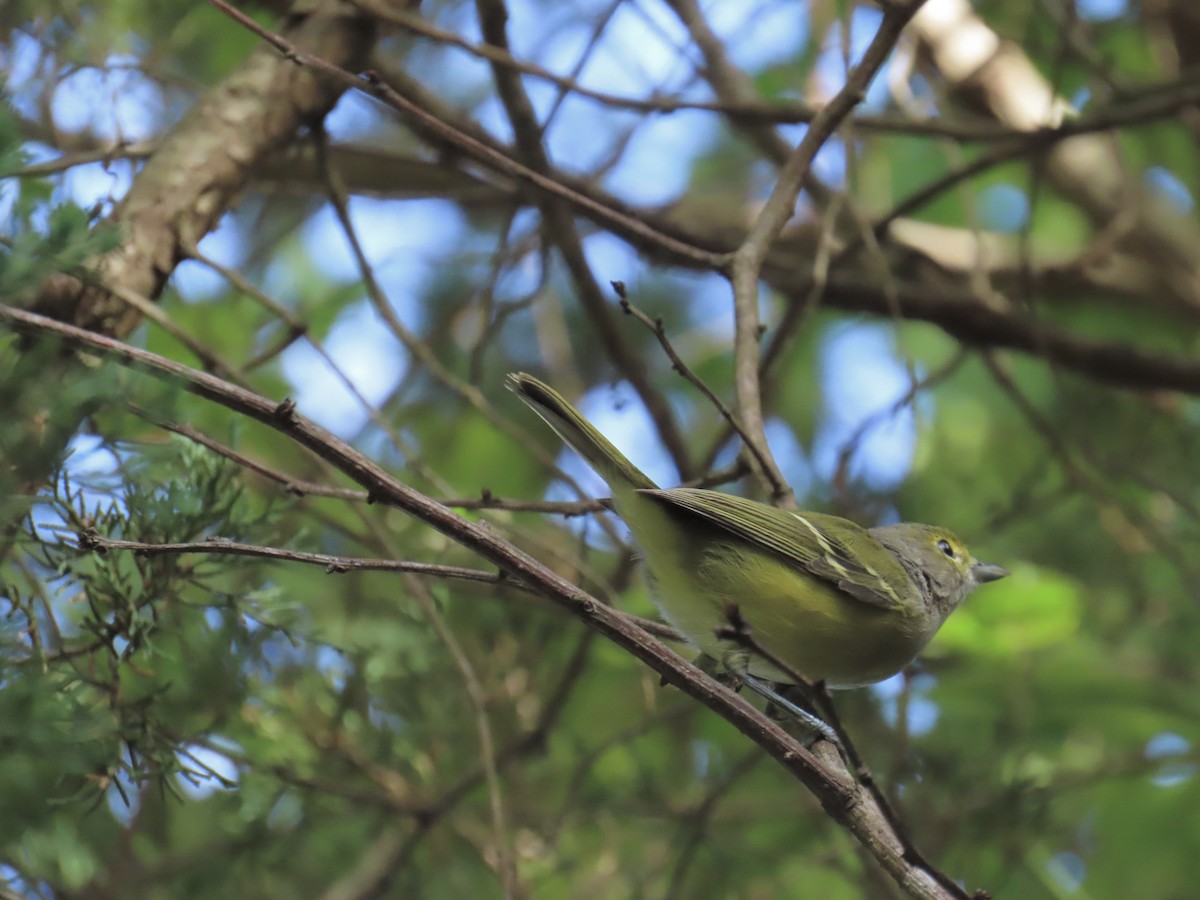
201, 166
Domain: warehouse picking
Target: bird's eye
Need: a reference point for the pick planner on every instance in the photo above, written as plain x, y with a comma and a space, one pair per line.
945, 547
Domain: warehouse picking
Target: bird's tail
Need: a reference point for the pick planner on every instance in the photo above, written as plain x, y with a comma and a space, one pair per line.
579, 434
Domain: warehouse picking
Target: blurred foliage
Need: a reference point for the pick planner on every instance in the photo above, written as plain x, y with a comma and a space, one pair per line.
43, 236
199, 725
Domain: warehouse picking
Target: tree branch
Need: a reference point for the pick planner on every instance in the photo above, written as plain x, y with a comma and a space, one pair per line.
847, 802
202, 164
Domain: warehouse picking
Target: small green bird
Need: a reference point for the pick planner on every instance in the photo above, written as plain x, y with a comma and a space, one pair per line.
836, 602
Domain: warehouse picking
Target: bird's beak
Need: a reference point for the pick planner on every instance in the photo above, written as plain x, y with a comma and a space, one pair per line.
985, 572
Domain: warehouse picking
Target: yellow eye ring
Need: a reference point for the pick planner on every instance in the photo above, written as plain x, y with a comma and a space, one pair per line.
945, 547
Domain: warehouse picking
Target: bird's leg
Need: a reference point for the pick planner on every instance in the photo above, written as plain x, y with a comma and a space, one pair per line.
737, 661
803, 716
736, 665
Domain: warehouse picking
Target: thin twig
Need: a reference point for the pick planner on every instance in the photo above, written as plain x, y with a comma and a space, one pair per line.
749, 257
301, 488
505, 861
657, 328
334, 565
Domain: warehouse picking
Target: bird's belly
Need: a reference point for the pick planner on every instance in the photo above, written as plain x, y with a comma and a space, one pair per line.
804, 621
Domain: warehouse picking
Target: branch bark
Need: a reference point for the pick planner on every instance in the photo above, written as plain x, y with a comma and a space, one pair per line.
202, 165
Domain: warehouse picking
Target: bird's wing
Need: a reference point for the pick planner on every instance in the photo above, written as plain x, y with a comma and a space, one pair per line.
834, 549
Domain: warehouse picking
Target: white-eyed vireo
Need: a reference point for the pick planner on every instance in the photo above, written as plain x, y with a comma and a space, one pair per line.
839, 603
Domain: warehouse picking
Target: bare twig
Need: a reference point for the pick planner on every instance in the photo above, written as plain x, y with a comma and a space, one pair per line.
333, 565
656, 327
749, 257
487, 744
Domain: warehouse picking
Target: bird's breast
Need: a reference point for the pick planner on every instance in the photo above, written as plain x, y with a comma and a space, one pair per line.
803, 620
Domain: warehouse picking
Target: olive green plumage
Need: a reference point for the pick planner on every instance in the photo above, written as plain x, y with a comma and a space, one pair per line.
838, 603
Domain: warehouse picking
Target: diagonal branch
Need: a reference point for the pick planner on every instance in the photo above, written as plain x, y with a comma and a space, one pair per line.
847, 802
